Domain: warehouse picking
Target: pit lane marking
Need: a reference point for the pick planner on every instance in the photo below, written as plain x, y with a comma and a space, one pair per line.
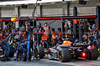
50, 61
77, 65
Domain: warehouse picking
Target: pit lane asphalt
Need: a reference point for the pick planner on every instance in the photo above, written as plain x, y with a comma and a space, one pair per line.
46, 62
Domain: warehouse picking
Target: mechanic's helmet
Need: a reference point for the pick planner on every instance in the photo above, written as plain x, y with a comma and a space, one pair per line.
17, 37
59, 29
76, 41
83, 36
57, 36
23, 28
45, 23
17, 33
38, 24
53, 30
94, 26
66, 25
5, 26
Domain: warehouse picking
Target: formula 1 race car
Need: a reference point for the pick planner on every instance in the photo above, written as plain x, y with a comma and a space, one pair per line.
69, 50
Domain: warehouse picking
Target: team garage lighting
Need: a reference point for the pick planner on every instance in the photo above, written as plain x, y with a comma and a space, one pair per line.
50, 18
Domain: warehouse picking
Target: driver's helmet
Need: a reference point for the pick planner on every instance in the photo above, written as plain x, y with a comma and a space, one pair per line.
76, 41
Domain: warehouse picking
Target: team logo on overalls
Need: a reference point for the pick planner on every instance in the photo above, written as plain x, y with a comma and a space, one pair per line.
1, 35
40, 30
7, 34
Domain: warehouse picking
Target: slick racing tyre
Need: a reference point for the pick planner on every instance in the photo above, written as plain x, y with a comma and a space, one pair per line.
94, 54
11, 54
40, 51
64, 55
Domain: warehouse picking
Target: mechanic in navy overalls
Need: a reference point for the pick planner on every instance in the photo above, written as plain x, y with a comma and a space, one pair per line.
21, 44
23, 34
39, 31
6, 31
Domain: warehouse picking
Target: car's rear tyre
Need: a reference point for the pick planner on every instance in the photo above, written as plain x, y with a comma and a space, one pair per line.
94, 54
64, 55
40, 50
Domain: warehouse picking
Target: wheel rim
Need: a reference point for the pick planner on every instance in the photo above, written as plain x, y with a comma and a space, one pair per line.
60, 55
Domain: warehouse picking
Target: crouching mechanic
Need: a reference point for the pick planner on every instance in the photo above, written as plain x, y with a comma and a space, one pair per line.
22, 45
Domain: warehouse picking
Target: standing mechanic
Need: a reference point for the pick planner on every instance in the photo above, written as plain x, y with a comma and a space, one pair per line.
47, 33
6, 31
39, 31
